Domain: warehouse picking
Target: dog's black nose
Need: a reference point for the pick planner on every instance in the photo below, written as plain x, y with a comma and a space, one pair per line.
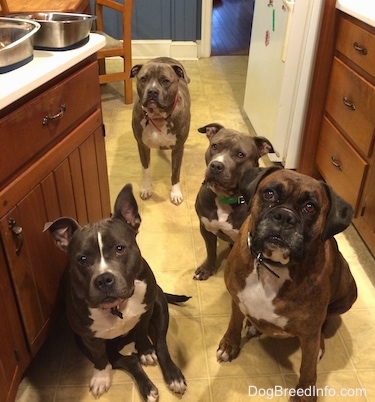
284, 217
216, 167
152, 93
104, 281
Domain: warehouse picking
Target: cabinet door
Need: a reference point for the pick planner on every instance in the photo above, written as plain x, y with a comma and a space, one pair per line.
14, 356
365, 222
35, 265
77, 187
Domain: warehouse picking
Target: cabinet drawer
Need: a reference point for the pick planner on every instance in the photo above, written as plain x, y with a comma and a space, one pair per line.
358, 44
36, 126
357, 121
340, 165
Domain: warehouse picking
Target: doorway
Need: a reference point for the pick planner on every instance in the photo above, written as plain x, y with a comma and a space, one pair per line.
231, 27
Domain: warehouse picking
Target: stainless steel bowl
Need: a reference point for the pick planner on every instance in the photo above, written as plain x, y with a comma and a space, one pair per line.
60, 31
16, 42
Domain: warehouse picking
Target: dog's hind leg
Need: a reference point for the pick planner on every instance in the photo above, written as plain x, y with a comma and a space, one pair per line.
131, 364
160, 321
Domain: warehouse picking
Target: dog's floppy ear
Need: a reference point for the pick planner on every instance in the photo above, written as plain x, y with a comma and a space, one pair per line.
181, 73
264, 146
126, 207
339, 216
210, 129
135, 70
62, 230
251, 178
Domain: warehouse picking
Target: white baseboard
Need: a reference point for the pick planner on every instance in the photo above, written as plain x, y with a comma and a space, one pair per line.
180, 50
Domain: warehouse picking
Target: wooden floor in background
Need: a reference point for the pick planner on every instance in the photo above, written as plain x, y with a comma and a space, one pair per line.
231, 27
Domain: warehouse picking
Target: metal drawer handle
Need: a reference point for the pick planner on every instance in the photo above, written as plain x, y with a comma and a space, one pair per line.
359, 49
336, 163
348, 104
17, 231
56, 116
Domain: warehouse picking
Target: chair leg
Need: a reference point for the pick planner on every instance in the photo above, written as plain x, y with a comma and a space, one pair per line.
128, 91
101, 64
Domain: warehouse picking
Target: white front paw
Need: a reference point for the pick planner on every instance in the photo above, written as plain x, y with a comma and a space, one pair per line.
100, 381
145, 192
149, 359
146, 189
176, 194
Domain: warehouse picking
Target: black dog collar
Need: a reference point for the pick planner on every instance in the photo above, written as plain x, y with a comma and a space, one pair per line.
115, 311
260, 259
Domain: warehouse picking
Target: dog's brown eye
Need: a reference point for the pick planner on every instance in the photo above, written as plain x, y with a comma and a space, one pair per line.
166, 82
120, 249
241, 154
309, 208
82, 260
269, 195
214, 147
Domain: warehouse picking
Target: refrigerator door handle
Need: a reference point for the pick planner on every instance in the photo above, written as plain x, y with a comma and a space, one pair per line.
289, 7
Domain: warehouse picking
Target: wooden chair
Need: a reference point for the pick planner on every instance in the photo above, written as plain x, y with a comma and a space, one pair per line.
116, 47
28, 6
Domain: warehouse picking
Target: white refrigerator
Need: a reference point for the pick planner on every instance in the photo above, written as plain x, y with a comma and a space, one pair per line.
280, 67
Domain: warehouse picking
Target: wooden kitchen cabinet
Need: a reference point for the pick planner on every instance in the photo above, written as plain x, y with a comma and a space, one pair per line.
55, 165
13, 351
339, 145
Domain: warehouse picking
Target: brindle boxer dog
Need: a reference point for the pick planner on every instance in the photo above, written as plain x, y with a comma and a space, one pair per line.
285, 273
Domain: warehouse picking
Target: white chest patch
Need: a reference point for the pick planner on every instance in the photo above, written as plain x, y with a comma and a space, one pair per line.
108, 326
155, 135
221, 224
256, 298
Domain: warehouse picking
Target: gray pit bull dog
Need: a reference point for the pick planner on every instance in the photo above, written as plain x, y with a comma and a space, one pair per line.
113, 299
161, 117
220, 205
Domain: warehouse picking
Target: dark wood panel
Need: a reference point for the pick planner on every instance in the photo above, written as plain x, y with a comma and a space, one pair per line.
78, 187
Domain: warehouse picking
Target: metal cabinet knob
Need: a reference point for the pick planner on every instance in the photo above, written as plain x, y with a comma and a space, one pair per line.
18, 232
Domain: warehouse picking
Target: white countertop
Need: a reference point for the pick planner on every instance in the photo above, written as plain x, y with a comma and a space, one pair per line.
363, 10
44, 66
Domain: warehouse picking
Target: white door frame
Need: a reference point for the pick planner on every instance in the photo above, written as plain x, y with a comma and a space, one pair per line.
206, 29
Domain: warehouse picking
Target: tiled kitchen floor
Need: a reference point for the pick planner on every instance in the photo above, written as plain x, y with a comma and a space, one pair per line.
170, 241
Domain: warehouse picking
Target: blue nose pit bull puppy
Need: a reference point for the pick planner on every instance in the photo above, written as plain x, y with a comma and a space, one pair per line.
113, 299
220, 206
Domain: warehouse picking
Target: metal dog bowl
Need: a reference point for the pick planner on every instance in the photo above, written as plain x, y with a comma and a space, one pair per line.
60, 31
16, 42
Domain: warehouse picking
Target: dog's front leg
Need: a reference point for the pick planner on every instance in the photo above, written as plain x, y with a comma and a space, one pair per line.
310, 346
160, 322
176, 193
205, 270
229, 346
144, 154
144, 347
95, 350
131, 364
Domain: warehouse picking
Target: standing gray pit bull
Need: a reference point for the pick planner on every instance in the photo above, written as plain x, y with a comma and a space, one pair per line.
113, 299
220, 205
161, 117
